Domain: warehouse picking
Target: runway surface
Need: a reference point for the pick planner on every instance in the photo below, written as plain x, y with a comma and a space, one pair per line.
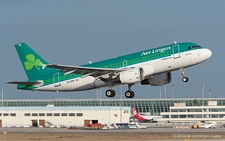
148, 130
151, 134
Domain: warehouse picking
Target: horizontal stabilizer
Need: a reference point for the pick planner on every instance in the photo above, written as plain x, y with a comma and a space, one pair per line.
24, 82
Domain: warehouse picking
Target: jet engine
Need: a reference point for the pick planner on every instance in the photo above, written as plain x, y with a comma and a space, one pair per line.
131, 76
158, 80
134, 75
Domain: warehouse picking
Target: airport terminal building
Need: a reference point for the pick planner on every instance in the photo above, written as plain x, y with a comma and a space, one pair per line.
61, 116
83, 112
151, 106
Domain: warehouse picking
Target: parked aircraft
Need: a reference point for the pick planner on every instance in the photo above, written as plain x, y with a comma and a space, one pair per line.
209, 125
149, 67
143, 118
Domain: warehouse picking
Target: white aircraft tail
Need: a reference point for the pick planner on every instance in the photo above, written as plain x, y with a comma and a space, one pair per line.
109, 126
138, 126
114, 124
134, 110
49, 123
209, 125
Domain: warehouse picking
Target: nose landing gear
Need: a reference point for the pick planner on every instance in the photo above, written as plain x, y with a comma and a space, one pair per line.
184, 79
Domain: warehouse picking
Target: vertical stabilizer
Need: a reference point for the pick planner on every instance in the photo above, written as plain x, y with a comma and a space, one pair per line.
134, 111
32, 62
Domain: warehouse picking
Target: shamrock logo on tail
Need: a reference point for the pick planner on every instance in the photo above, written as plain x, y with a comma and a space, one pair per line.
32, 62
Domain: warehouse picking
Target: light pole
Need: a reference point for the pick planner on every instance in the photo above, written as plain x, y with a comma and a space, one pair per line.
2, 96
160, 94
165, 91
203, 94
210, 94
121, 90
100, 97
172, 91
97, 90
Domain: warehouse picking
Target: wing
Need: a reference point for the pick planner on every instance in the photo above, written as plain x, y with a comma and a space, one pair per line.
86, 71
24, 82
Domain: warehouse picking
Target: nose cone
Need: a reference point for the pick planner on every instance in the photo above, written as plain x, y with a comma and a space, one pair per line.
208, 53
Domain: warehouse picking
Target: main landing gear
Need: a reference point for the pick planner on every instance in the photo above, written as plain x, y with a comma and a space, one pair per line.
110, 93
129, 94
184, 79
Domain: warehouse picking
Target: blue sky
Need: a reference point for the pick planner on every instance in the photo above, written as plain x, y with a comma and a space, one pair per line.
73, 32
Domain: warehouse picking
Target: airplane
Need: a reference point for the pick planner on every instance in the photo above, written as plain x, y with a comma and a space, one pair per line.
149, 67
143, 118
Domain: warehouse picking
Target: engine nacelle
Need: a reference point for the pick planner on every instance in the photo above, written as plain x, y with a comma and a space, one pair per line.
131, 76
149, 70
158, 80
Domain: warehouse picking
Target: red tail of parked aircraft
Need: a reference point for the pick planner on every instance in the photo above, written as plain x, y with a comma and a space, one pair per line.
143, 117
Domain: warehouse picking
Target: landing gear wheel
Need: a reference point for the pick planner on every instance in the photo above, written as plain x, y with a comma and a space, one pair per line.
110, 93
129, 94
185, 79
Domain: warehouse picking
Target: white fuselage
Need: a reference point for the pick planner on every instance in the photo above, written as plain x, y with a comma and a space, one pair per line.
161, 65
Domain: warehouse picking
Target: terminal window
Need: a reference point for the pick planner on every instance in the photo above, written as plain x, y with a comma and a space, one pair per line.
63, 114
71, 114
56, 114
0, 114
49, 114
27, 114
174, 116
79, 114
13, 114
5, 114
34, 114
165, 116
41, 114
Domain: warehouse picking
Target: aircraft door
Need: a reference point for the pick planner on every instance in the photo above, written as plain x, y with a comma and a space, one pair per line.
176, 51
56, 80
124, 63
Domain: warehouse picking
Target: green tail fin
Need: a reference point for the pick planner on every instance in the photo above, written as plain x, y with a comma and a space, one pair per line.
32, 62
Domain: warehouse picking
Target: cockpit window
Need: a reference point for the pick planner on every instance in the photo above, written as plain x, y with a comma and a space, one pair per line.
198, 46
194, 47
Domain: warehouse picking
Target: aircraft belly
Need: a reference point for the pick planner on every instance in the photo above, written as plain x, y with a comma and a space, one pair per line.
81, 84
76, 84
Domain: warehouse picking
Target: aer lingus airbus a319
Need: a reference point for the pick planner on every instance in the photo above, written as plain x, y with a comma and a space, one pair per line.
149, 67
